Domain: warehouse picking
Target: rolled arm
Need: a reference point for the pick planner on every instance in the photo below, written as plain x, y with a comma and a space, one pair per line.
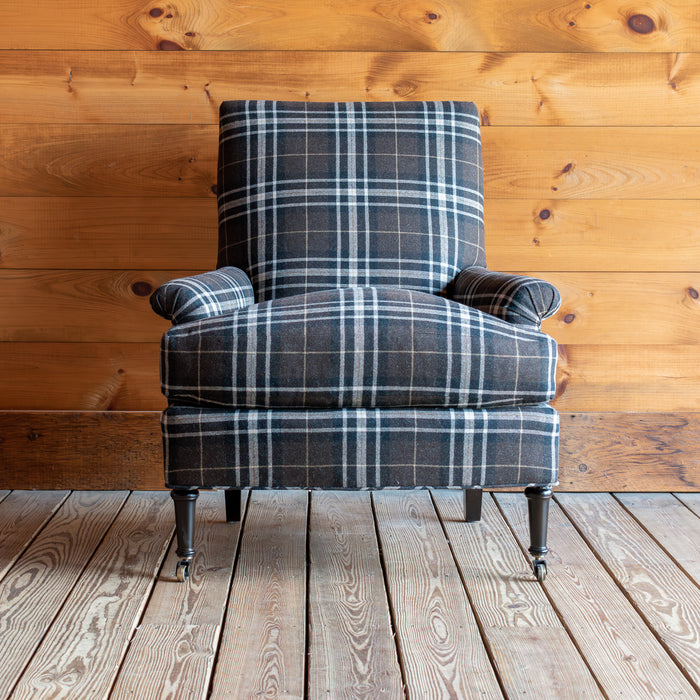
513, 298
202, 296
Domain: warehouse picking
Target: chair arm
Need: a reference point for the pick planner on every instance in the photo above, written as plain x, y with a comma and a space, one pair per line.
513, 298
202, 296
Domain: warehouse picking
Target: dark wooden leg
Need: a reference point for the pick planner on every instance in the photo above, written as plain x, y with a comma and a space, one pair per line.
233, 505
472, 505
538, 498
185, 501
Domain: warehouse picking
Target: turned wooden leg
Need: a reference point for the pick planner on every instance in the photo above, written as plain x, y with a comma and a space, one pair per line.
185, 501
538, 498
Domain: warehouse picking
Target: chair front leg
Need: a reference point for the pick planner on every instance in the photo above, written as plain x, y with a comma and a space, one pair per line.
472, 505
185, 501
538, 498
233, 505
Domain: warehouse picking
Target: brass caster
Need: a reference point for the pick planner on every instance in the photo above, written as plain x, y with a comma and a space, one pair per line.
182, 570
539, 566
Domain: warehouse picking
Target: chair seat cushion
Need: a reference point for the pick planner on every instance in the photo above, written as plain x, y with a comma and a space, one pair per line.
357, 347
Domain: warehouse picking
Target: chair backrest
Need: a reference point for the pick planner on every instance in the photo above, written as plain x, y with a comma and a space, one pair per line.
321, 195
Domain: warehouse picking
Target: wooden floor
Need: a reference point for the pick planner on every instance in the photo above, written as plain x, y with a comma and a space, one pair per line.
333, 595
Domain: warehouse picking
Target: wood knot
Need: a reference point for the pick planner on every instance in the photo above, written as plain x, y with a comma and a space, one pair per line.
583, 468
432, 16
642, 24
692, 293
156, 12
32, 436
404, 88
545, 214
569, 318
567, 168
215, 189
166, 45
141, 288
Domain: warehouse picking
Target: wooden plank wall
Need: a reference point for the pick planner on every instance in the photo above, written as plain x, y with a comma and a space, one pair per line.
591, 114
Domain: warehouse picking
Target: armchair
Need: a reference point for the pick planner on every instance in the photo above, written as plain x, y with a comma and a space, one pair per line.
352, 337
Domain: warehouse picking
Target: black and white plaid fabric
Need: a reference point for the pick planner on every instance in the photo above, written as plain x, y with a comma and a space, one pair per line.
323, 195
357, 347
514, 298
358, 448
202, 296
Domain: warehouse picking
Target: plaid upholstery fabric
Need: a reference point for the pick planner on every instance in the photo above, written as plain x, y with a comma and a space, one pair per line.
357, 347
514, 298
317, 196
203, 296
357, 448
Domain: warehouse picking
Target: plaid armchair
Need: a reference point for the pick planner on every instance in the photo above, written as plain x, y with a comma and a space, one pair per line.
352, 337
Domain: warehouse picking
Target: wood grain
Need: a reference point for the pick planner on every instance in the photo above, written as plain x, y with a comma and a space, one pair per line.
519, 161
263, 644
81, 376
592, 235
23, 515
32, 594
87, 450
599, 451
510, 89
660, 591
531, 649
628, 378
441, 649
70, 306
443, 25
112, 233
629, 452
675, 527
175, 645
618, 647
352, 653
112, 306
136, 233
81, 652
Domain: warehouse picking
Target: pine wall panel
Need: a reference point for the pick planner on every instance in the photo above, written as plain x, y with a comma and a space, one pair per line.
591, 129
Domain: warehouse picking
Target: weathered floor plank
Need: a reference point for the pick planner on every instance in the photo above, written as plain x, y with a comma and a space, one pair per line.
86, 610
263, 645
22, 515
82, 651
673, 525
660, 591
441, 649
623, 654
531, 649
172, 653
352, 653
32, 593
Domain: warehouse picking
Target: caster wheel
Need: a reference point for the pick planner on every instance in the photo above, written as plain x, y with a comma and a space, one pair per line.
540, 569
183, 570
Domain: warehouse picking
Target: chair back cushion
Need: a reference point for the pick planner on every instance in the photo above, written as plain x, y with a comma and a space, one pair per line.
317, 196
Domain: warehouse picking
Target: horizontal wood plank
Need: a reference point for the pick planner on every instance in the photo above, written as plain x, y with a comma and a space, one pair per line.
628, 378
92, 450
629, 452
112, 306
150, 233
81, 376
516, 25
592, 235
519, 162
599, 451
125, 377
510, 89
